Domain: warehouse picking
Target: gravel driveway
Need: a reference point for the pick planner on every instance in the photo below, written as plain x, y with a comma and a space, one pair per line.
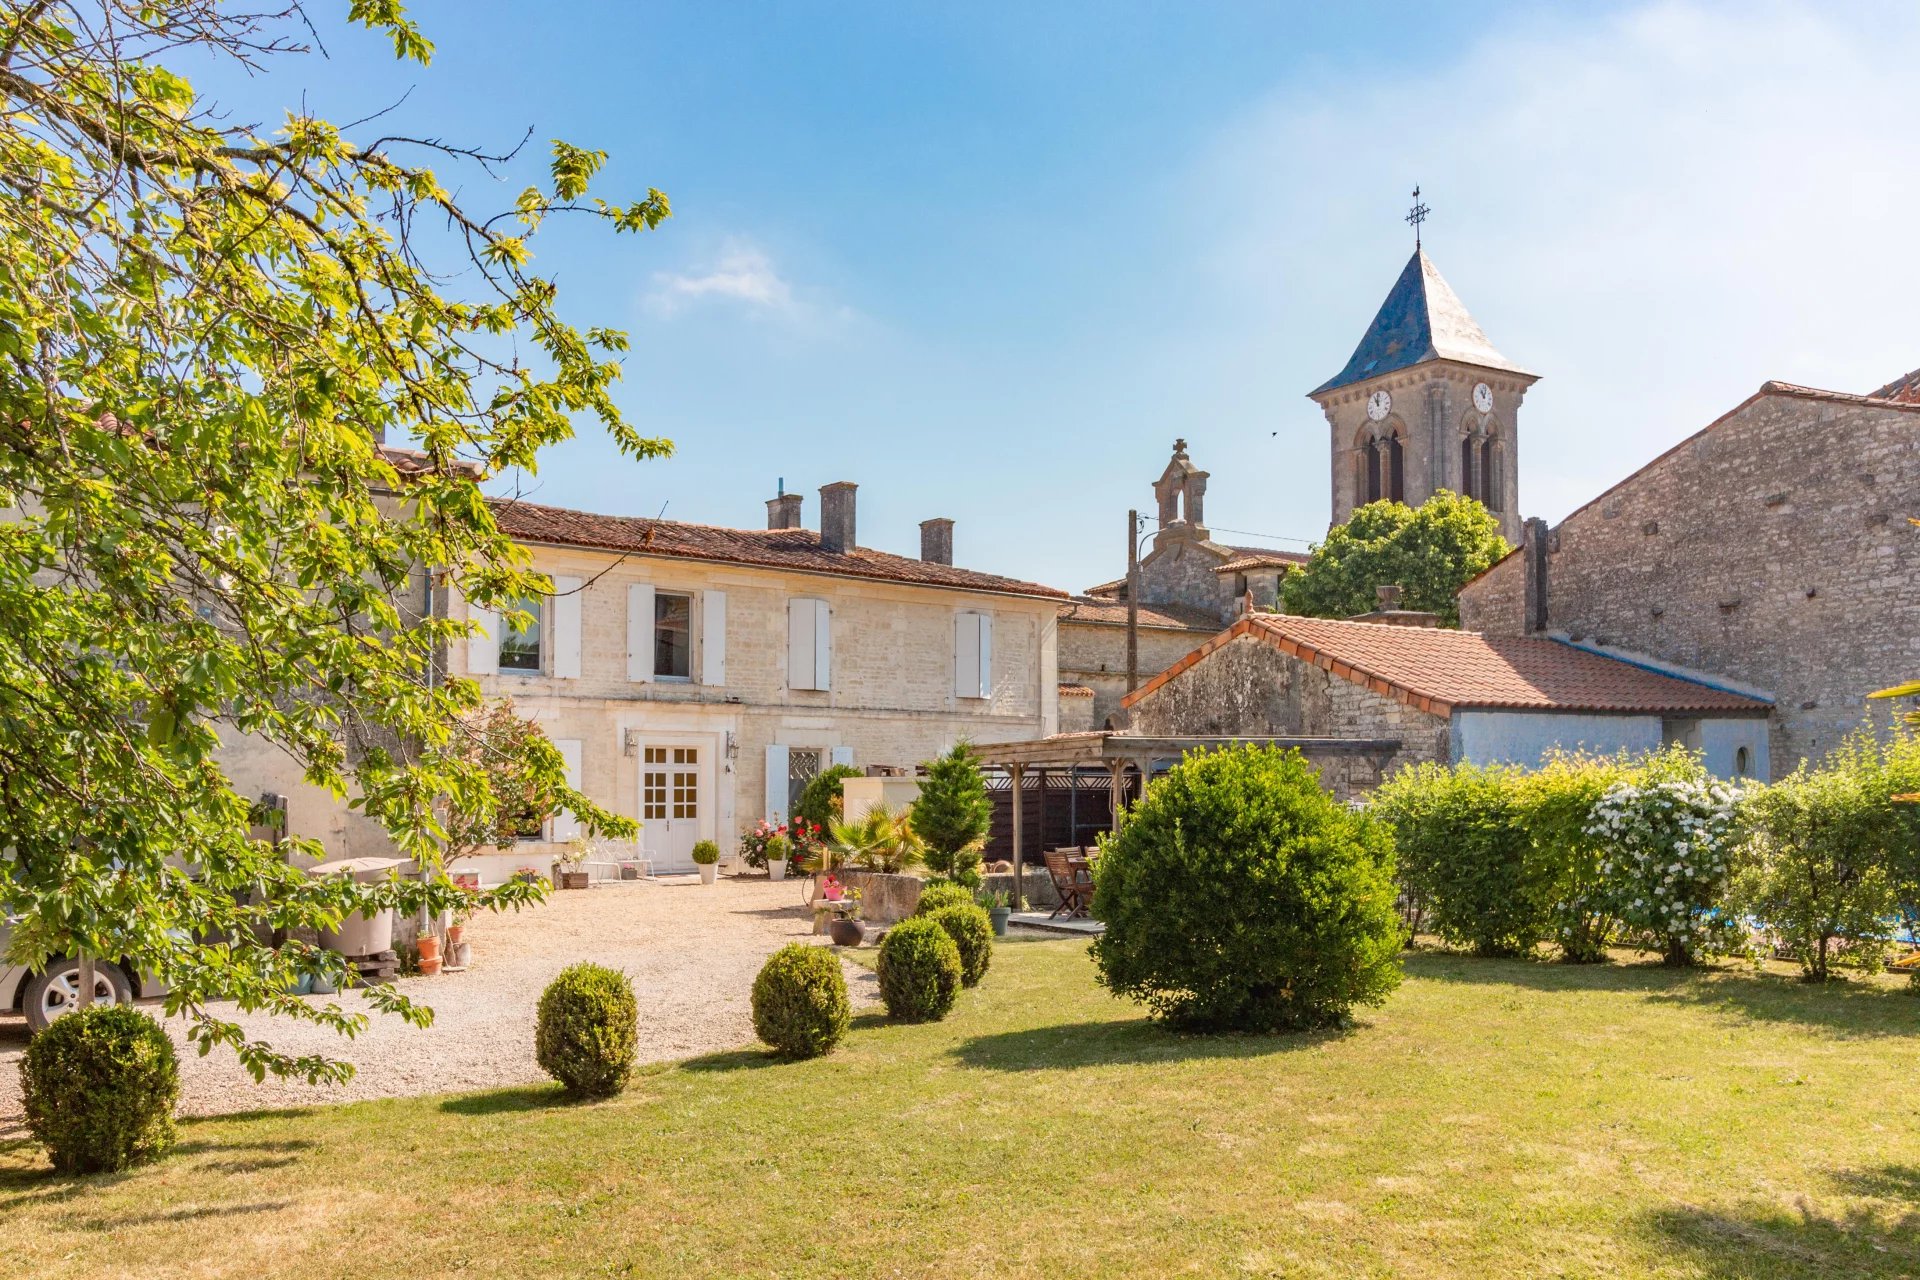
691, 950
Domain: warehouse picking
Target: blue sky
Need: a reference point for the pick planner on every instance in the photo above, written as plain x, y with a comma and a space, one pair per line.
988, 260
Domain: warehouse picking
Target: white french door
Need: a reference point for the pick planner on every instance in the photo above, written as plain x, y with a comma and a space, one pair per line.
676, 788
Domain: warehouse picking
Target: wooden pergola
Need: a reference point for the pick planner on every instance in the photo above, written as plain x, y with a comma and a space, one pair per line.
1116, 751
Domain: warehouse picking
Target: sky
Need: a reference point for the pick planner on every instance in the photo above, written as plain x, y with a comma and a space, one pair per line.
987, 260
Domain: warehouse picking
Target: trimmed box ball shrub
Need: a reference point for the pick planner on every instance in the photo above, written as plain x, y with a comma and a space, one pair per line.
919, 971
588, 1029
1240, 896
972, 934
940, 895
800, 1005
99, 1089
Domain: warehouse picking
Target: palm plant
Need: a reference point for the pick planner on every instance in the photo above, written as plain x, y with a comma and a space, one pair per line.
879, 840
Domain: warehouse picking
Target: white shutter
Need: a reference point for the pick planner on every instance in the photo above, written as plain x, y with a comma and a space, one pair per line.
822, 645
986, 654
483, 646
640, 631
565, 825
566, 627
966, 656
843, 755
776, 784
713, 637
805, 659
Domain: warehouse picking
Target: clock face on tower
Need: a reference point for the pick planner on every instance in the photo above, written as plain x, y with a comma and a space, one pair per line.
1483, 397
1379, 405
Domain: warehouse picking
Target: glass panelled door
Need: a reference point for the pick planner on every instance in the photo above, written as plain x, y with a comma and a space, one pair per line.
672, 804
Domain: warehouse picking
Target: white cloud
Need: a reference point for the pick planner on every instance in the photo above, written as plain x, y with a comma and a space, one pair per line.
742, 272
1656, 210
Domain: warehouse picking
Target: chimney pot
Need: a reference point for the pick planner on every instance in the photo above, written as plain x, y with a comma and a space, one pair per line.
1388, 597
836, 517
783, 512
936, 540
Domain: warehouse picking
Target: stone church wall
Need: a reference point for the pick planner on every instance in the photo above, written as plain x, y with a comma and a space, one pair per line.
1772, 548
1495, 602
1247, 687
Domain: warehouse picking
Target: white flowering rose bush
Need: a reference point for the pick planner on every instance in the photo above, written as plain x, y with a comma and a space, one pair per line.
1667, 847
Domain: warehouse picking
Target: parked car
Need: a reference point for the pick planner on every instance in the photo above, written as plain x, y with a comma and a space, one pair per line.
44, 994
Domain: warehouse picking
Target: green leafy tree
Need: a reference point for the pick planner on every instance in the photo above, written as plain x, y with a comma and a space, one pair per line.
517, 759
1428, 553
953, 815
821, 800
207, 330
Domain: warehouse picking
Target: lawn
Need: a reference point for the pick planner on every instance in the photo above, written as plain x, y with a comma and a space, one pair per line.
1494, 1119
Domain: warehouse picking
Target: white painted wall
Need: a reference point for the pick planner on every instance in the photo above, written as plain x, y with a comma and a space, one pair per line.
1527, 737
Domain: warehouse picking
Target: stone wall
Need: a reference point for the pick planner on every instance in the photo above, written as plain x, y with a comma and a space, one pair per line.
1772, 548
886, 898
1094, 654
1248, 687
1495, 602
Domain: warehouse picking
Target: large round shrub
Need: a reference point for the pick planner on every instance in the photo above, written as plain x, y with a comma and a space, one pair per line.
972, 934
800, 1003
1239, 895
99, 1088
940, 895
919, 971
588, 1028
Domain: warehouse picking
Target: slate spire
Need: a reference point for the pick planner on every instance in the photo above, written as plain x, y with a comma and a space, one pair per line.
1421, 320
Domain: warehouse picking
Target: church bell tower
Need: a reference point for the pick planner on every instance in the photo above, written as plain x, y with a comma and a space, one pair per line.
1426, 403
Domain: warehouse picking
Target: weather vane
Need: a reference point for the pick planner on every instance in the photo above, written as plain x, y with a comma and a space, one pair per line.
1416, 216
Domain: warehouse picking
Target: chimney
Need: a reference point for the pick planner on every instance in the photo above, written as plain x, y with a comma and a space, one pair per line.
836, 516
936, 540
1387, 598
1534, 555
1387, 611
783, 512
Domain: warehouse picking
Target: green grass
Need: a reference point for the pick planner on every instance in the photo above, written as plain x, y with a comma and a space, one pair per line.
1495, 1119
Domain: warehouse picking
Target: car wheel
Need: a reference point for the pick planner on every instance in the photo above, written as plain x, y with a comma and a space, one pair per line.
56, 990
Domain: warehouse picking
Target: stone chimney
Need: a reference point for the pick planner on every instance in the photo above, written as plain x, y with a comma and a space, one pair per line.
1387, 611
936, 540
783, 512
836, 516
1533, 542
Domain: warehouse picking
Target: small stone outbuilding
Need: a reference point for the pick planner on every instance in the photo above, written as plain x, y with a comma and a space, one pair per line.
1445, 695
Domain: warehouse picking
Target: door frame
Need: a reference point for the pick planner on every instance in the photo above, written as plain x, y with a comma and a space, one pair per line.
708, 744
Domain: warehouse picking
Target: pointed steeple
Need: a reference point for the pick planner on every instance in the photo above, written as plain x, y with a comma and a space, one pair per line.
1421, 320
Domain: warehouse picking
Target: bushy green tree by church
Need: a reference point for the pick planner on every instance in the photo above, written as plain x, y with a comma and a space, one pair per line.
1429, 553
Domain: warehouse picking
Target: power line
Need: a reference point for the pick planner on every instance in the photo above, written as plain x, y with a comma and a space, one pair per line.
1270, 537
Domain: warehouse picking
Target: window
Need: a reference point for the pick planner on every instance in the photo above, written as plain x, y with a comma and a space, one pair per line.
1742, 763
520, 645
1467, 488
672, 636
1380, 471
653, 785
803, 764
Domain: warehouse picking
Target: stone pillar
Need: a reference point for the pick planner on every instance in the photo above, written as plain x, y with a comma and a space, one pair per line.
1534, 556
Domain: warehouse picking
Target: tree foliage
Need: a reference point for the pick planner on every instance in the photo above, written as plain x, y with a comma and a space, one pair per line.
953, 814
519, 763
1428, 553
207, 330
821, 801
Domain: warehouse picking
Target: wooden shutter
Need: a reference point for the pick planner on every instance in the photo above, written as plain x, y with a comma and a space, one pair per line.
566, 627
805, 661
640, 631
822, 645
972, 655
713, 637
483, 646
565, 825
843, 755
776, 784
985, 673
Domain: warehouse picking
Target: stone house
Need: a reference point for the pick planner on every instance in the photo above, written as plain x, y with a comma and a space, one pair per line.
1772, 546
695, 677
1441, 694
1190, 586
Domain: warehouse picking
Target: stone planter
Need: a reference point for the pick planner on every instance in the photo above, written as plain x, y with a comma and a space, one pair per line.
709, 872
776, 868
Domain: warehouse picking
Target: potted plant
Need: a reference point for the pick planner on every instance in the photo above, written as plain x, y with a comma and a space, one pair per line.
568, 869
845, 928
706, 856
777, 849
998, 910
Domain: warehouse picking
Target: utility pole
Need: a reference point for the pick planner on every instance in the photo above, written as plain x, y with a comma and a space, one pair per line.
1133, 600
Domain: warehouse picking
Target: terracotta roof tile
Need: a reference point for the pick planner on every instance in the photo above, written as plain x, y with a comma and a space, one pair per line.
1075, 691
1163, 617
1264, 560
1439, 670
798, 550
1905, 389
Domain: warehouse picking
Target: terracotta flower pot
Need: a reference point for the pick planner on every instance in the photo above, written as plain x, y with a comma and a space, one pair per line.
429, 949
428, 968
454, 934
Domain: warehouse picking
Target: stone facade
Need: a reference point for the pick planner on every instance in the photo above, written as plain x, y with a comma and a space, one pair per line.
1093, 654
1247, 688
1772, 548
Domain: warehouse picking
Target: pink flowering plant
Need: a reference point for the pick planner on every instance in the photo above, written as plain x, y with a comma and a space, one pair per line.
786, 840
1666, 860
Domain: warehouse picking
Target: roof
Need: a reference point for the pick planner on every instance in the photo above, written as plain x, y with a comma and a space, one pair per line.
1440, 670
1165, 617
1905, 389
1109, 747
1264, 560
1075, 691
1421, 320
798, 550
